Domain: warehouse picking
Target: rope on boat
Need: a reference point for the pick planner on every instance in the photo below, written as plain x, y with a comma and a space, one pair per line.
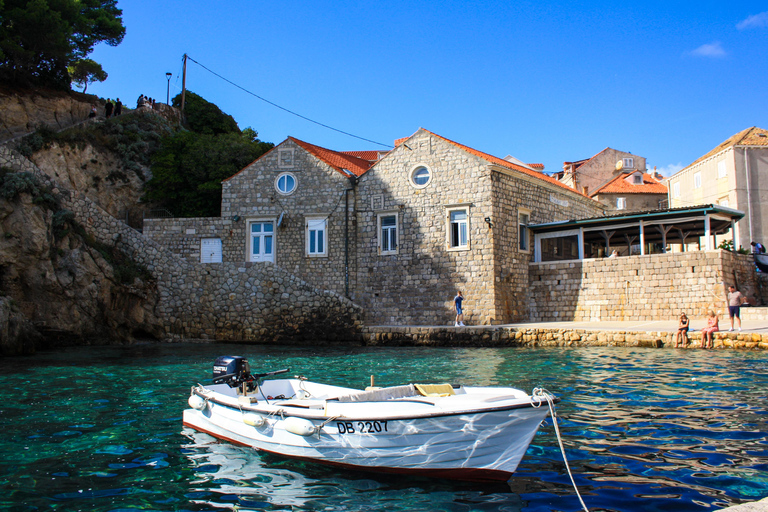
546, 395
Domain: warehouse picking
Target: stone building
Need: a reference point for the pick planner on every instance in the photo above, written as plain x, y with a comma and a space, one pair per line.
397, 233
730, 175
632, 192
590, 174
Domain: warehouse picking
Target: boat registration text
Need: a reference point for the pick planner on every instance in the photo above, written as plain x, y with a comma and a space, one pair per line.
361, 427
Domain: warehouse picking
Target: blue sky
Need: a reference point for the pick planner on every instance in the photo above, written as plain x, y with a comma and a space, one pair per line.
544, 82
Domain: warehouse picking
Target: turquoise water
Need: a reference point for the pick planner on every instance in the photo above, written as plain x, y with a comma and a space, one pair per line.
99, 429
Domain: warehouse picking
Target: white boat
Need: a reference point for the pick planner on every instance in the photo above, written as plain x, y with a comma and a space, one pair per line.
447, 431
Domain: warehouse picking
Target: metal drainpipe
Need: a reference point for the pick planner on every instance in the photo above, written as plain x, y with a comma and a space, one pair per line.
749, 195
346, 243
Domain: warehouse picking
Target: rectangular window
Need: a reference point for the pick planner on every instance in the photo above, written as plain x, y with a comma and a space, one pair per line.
316, 239
458, 229
676, 190
628, 163
388, 233
621, 203
697, 180
723, 201
523, 219
721, 172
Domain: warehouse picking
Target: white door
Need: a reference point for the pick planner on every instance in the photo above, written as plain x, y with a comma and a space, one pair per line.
210, 250
262, 241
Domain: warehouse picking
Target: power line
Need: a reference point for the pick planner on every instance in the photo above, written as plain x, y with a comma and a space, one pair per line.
287, 110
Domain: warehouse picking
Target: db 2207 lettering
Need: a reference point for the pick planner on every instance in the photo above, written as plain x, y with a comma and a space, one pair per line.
361, 427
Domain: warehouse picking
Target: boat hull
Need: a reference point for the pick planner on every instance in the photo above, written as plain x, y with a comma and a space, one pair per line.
484, 444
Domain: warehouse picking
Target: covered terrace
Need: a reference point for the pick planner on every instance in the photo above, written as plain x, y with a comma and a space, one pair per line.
634, 233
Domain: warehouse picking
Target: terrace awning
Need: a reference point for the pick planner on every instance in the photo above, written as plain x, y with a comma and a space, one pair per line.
579, 239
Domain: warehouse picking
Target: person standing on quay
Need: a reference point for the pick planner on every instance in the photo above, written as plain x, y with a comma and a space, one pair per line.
735, 300
459, 312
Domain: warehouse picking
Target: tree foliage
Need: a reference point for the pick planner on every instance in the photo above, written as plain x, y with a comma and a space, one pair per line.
40, 39
190, 165
86, 71
204, 117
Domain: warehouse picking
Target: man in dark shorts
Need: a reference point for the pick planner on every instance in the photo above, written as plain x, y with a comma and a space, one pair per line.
459, 312
735, 300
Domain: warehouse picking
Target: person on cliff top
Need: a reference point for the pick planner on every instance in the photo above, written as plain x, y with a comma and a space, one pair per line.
713, 325
108, 107
118, 107
735, 300
682, 332
459, 313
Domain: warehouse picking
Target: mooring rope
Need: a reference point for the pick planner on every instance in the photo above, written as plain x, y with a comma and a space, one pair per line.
546, 395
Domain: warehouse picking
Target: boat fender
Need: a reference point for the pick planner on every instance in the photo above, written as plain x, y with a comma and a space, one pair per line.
197, 402
254, 420
299, 426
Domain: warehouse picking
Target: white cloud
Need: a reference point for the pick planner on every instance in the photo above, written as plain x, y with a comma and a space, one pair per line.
754, 21
714, 50
670, 169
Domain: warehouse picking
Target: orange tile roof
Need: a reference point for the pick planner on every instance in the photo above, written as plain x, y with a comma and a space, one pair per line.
620, 185
370, 155
538, 167
753, 136
509, 165
336, 159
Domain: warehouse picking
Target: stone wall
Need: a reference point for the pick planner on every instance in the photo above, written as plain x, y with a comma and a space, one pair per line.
227, 301
649, 287
504, 336
183, 236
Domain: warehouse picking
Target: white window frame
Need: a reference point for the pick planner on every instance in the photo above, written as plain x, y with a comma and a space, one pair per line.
628, 163
449, 223
316, 228
523, 231
724, 202
272, 234
722, 170
697, 180
384, 239
676, 190
284, 175
412, 175
621, 203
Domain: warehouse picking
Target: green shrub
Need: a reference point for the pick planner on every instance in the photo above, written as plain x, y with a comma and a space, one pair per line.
14, 183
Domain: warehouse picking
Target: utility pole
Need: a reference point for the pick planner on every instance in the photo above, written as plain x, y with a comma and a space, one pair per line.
183, 85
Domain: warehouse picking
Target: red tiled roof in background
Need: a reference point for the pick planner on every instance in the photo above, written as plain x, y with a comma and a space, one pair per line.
336, 159
400, 140
538, 167
753, 136
503, 163
619, 185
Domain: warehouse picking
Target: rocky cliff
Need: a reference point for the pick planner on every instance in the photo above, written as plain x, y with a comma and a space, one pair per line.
57, 284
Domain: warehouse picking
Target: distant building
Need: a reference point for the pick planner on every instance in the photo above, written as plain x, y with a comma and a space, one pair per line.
733, 175
590, 174
633, 192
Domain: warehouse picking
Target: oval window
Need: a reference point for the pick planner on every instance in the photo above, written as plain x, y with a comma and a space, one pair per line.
285, 183
421, 176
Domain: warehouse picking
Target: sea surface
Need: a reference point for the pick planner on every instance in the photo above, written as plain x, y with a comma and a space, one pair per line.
99, 429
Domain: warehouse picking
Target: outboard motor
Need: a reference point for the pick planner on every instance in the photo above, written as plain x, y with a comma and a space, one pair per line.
231, 370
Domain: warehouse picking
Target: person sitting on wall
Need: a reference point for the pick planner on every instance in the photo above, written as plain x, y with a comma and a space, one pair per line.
707, 336
682, 332
614, 254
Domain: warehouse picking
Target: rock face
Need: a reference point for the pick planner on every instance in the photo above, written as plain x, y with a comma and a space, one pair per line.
63, 286
98, 175
23, 113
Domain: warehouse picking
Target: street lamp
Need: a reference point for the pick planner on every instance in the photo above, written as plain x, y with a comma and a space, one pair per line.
168, 91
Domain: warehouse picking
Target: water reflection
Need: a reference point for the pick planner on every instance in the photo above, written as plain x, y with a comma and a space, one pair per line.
99, 429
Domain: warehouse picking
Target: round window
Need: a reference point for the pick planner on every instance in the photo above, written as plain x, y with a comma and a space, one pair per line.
421, 176
285, 183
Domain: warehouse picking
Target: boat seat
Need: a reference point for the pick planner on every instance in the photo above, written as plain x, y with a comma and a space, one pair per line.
379, 395
433, 390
